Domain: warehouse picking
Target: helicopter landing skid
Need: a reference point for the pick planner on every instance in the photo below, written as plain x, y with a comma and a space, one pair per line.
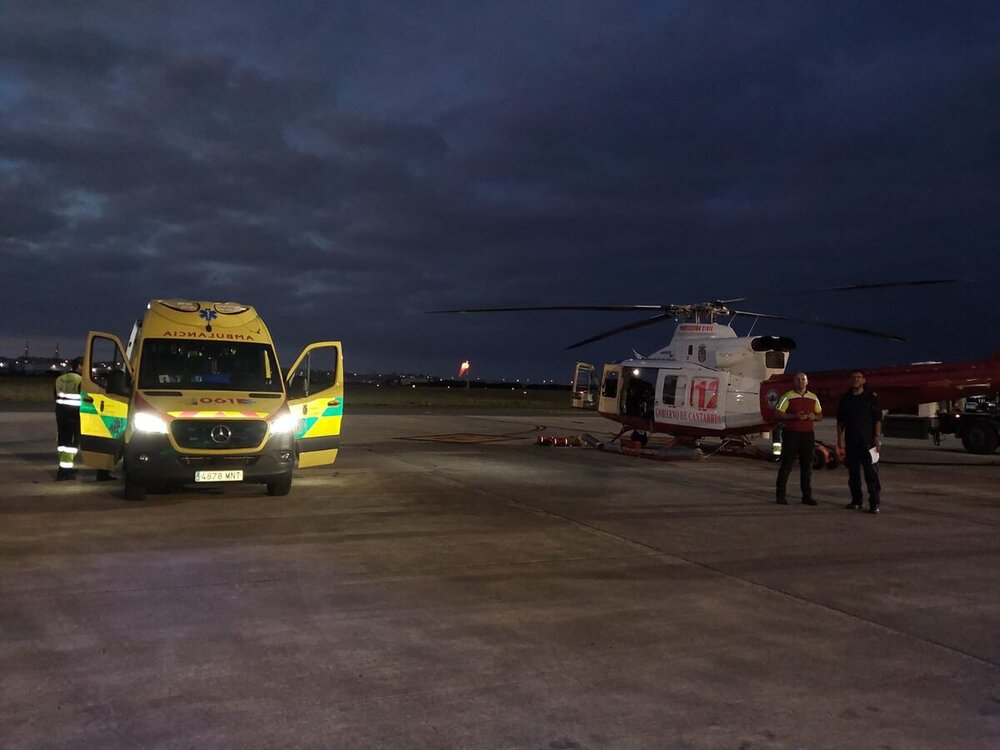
739, 446
825, 456
658, 450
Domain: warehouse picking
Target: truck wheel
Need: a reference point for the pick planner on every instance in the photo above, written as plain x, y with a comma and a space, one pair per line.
280, 486
980, 437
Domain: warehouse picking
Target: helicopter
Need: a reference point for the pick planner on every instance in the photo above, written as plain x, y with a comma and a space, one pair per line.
709, 382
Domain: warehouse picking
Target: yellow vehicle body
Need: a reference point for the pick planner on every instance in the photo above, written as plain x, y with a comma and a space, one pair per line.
198, 396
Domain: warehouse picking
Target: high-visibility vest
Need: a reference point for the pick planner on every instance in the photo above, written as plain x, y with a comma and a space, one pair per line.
67, 389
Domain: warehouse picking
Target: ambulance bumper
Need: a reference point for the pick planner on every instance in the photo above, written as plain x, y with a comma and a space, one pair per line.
150, 460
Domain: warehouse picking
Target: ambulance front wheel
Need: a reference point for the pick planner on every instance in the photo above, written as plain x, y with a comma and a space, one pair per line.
280, 485
133, 490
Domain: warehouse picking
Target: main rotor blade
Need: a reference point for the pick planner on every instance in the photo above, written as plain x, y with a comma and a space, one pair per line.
605, 308
825, 324
888, 285
621, 329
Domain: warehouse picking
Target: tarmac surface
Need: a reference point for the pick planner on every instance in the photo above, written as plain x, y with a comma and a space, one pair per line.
450, 584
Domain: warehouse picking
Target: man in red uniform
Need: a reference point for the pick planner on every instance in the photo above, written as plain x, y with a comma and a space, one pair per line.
798, 410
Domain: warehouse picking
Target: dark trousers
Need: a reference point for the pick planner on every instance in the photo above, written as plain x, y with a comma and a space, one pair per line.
68, 429
796, 445
858, 460
68, 425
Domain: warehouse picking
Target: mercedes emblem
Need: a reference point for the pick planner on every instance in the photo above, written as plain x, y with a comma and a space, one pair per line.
221, 434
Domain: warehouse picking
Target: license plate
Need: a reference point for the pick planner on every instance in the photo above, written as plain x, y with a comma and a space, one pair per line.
219, 476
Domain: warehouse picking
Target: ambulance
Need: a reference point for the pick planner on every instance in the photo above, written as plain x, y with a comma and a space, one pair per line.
197, 397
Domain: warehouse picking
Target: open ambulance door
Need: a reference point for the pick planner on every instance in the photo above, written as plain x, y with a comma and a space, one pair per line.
104, 398
315, 386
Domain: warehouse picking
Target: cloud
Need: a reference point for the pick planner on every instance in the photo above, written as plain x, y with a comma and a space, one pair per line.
350, 166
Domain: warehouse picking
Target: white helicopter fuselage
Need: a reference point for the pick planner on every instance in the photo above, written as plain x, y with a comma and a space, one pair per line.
705, 382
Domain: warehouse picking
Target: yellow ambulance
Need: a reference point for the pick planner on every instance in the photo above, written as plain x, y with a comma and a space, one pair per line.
198, 397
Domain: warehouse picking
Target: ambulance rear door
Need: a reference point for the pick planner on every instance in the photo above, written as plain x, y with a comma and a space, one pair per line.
105, 392
315, 386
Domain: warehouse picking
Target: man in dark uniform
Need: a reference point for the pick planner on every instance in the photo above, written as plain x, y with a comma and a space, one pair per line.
859, 434
798, 410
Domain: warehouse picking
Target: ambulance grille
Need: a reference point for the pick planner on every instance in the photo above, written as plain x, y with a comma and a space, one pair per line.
218, 435
217, 462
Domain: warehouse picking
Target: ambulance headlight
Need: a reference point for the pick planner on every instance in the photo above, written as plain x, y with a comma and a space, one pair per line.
146, 422
284, 425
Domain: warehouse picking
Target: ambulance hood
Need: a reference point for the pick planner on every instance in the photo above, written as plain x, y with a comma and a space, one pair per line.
202, 404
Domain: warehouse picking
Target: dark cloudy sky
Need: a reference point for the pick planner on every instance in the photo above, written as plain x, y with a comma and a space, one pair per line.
346, 166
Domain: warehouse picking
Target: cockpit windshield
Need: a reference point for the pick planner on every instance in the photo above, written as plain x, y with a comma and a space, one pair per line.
193, 364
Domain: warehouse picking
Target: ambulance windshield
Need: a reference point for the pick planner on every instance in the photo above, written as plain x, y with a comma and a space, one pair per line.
192, 364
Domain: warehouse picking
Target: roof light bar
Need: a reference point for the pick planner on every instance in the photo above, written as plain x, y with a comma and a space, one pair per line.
182, 305
230, 308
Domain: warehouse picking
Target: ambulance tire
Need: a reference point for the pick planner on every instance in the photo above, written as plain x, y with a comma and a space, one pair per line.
280, 486
133, 491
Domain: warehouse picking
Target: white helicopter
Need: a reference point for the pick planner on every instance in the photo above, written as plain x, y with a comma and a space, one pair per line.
710, 382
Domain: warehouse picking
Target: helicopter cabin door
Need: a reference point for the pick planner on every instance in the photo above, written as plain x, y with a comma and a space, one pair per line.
609, 401
584, 390
672, 393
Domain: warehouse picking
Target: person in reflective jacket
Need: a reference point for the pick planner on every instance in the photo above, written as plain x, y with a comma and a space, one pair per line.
798, 410
67, 397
